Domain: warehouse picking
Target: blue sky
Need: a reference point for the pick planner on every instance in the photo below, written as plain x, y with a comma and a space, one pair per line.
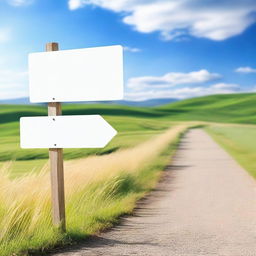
173, 49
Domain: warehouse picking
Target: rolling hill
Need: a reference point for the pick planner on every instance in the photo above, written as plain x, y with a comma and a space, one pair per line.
228, 108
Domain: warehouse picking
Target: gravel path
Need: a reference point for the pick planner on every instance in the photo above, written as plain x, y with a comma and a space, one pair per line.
205, 206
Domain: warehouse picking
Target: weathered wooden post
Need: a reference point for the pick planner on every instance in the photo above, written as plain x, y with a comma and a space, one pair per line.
56, 165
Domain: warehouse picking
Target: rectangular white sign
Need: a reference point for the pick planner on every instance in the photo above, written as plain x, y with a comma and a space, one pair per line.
89, 131
91, 74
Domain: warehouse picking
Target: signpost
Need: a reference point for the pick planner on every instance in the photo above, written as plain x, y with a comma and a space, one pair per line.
92, 74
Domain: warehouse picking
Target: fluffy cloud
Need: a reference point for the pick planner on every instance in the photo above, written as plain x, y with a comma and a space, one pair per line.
184, 92
177, 85
12, 84
4, 35
171, 79
75, 4
216, 20
245, 70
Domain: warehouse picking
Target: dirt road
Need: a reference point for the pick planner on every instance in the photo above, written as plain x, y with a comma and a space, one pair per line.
205, 206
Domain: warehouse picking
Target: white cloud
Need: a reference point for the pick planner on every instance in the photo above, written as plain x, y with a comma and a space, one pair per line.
131, 49
5, 35
245, 70
75, 4
173, 85
171, 79
182, 93
224, 86
13, 84
216, 20
18, 3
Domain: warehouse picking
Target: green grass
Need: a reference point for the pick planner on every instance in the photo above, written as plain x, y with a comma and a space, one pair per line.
25, 218
131, 131
128, 128
98, 205
239, 141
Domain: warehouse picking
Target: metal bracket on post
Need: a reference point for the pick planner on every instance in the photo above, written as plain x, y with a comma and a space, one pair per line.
56, 163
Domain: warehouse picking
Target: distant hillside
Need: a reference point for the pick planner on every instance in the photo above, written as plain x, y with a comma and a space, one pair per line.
235, 108
227, 108
145, 103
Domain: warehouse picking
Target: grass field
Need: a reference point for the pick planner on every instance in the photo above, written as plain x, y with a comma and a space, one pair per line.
131, 131
102, 184
98, 190
239, 141
133, 124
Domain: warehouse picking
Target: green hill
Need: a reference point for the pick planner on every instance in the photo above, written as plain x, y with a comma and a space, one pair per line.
228, 108
12, 113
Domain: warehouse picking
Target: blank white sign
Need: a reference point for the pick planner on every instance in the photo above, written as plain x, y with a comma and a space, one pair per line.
91, 74
89, 131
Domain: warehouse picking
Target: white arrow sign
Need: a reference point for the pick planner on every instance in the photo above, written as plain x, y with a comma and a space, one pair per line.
91, 74
89, 131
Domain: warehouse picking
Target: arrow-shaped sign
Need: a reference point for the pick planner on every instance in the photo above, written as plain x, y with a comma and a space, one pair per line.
86, 131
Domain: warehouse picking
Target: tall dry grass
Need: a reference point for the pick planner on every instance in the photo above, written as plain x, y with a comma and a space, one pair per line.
98, 189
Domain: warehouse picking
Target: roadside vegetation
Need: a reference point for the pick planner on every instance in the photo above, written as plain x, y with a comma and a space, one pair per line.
239, 142
99, 189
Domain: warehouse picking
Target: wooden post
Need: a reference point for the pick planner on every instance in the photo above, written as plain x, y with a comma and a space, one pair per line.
56, 163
